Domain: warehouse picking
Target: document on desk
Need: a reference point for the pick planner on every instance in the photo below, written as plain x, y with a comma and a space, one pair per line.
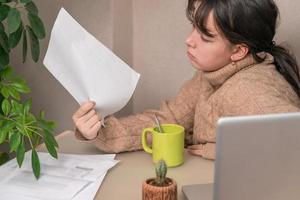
86, 68
70, 177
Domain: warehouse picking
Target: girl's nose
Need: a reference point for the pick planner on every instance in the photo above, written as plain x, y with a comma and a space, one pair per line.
190, 41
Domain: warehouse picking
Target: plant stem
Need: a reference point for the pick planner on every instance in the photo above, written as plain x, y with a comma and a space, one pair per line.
34, 131
29, 139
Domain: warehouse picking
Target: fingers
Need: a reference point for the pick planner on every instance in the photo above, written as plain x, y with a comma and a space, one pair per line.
92, 121
195, 146
96, 127
87, 120
88, 116
84, 108
93, 130
196, 149
90, 128
198, 152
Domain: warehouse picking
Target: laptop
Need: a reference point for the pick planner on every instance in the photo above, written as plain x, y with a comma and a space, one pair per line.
257, 157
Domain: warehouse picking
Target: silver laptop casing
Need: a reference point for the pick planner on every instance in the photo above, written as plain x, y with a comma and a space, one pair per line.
257, 157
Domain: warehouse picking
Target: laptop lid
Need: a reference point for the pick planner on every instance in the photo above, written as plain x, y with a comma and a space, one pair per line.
258, 157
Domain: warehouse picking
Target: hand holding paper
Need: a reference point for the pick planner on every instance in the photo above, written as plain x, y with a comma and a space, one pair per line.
87, 121
86, 68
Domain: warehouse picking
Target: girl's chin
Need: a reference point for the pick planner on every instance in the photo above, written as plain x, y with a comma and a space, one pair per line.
201, 68
196, 66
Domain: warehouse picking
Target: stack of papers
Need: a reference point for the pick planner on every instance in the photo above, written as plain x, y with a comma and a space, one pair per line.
76, 177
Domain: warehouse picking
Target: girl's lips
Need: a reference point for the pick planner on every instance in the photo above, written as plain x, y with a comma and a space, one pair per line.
190, 56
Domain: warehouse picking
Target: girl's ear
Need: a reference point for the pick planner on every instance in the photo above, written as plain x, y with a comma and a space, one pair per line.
239, 52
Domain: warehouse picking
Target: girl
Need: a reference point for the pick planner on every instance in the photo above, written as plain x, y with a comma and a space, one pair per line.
240, 71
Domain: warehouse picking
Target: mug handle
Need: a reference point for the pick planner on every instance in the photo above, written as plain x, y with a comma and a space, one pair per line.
144, 140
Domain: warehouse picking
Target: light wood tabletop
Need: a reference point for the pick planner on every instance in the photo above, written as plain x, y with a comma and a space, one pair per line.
124, 181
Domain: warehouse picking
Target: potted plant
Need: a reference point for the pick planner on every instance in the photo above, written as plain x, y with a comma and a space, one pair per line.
161, 187
19, 21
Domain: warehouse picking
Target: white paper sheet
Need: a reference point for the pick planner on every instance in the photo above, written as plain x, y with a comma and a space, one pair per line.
90, 191
69, 177
88, 69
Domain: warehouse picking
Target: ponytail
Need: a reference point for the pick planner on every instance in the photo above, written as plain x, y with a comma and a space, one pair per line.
286, 65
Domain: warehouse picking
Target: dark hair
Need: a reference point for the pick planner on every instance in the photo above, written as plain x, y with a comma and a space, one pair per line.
250, 22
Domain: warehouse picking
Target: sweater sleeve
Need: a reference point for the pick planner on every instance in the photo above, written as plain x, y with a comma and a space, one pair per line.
209, 151
124, 134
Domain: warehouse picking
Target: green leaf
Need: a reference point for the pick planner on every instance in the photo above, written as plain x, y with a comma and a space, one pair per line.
31, 8
1, 26
15, 140
4, 9
20, 154
13, 20
24, 46
3, 135
5, 107
47, 126
1, 68
27, 106
42, 114
5, 1
20, 86
14, 93
16, 110
49, 136
16, 106
25, 1
30, 118
4, 157
35, 45
4, 41
10, 133
6, 73
37, 25
1, 99
15, 37
4, 57
35, 163
7, 128
19, 125
5, 92
51, 147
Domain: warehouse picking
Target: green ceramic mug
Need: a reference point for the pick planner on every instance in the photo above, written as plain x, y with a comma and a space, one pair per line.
168, 145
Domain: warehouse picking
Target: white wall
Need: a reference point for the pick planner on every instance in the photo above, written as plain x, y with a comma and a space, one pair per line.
288, 26
148, 35
159, 31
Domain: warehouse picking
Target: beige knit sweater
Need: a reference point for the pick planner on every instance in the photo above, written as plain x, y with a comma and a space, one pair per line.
245, 88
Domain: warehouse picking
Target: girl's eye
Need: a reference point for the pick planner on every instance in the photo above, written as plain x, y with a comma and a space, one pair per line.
205, 39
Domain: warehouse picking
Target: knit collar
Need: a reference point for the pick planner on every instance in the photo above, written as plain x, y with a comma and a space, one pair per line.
218, 77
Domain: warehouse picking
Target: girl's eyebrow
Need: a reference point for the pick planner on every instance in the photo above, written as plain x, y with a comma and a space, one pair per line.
211, 34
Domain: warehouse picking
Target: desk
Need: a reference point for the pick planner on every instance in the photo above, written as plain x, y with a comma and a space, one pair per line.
124, 181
